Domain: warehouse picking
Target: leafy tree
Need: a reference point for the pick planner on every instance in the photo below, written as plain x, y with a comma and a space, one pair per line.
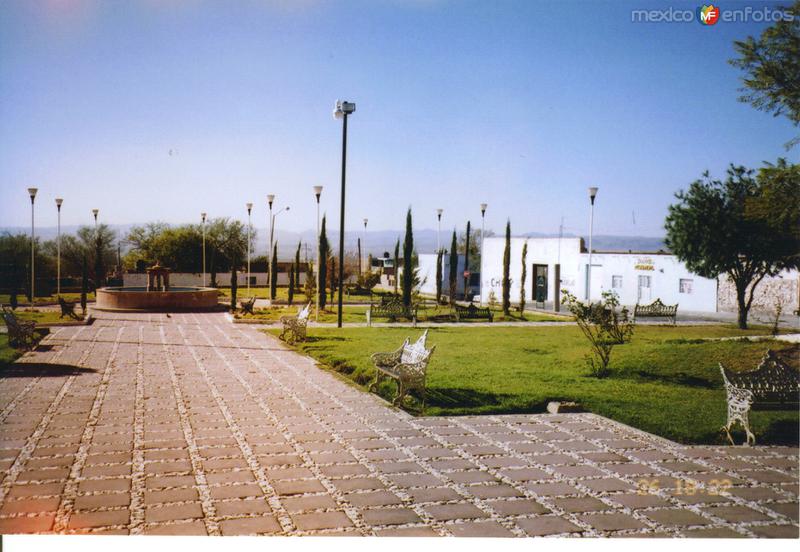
476, 239
408, 261
324, 252
506, 269
745, 226
466, 263
273, 272
523, 277
453, 274
15, 260
438, 276
396, 264
368, 280
771, 64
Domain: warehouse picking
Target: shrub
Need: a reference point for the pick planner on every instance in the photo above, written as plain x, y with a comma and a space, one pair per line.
603, 326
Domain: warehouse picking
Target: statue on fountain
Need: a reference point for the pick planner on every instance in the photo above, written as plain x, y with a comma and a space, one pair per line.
157, 278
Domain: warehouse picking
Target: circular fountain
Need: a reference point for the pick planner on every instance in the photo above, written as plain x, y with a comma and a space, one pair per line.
157, 296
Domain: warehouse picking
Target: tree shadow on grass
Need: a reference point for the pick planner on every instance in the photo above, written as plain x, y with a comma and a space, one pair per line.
678, 378
453, 397
781, 432
42, 370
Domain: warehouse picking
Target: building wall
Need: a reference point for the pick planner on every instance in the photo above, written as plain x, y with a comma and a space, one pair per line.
665, 273
783, 288
223, 279
427, 274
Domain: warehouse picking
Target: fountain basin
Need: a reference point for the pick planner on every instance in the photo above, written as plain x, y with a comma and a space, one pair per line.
138, 299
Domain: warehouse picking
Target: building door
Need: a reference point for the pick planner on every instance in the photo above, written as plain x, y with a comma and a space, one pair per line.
644, 290
539, 284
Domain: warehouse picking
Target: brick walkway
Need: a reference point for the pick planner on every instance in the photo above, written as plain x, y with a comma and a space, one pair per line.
148, 424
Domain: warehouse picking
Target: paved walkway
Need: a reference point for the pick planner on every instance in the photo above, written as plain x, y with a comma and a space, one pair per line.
188, 424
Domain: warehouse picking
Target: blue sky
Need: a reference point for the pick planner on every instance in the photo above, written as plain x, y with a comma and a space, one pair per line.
158, 110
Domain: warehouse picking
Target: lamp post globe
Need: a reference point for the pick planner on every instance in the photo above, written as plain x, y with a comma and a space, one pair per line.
342, 109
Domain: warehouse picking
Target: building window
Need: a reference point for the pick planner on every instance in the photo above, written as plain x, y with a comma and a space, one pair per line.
616, 282
685, 285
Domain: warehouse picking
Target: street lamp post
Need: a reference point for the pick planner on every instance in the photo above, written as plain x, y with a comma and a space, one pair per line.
271, 230
249, 230
341, 111
32, 192
592, 195
439, 230
270, 200
364, 244
203, 218
483, 235
59, 201
317, 193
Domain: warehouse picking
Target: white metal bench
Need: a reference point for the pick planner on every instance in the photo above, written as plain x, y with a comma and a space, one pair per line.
772, 386
294, 327
408, 366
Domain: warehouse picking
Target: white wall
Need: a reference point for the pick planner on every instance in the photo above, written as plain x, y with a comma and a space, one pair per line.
665, 272
223, 279
427, 274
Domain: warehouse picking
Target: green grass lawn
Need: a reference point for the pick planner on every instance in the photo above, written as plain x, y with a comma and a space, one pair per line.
665, 381
7, 353
45, 317
22, 299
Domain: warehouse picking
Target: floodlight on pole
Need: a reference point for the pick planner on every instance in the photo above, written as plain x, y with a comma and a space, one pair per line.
59, 201
203, 218
592, 196
270, 201
317, 193
341, 111
32, 193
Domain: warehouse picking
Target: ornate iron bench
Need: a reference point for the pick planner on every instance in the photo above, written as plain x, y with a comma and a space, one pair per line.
471, 312
392, 310
773, 385
247, 306
294, 327
408, 366
21, 333
67, 309
656, 309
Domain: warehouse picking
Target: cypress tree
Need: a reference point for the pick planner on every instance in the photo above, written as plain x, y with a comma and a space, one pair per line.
359, 256
396, 264
234, 287
322, 261
296, 282
408, 261
438, 276
291, 283
84, 283
466, 261
506, 267
334, 277
523, 278
453, 275
273, 284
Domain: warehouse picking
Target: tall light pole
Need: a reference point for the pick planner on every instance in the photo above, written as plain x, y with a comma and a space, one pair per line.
249, 229
32, 192
483, 236
59, 201
317, 193
270, 200
341, 111
439, 230
592, 195
364, 244
203, 218
271, 230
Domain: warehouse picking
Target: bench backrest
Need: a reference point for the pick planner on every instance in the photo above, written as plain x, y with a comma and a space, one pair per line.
416, 352
771, 381
656, 307
303, 314
10, 319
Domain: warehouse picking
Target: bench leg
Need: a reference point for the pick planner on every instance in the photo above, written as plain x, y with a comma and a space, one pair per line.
739, 403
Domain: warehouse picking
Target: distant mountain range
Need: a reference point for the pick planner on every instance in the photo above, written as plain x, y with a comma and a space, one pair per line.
375, 242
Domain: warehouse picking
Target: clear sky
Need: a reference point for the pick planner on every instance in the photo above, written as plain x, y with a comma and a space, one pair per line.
158, 110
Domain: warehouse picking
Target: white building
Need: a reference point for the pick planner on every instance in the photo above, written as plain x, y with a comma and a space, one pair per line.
555, 264
427, 275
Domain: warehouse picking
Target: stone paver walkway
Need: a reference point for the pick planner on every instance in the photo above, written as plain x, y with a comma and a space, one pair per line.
188, 424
